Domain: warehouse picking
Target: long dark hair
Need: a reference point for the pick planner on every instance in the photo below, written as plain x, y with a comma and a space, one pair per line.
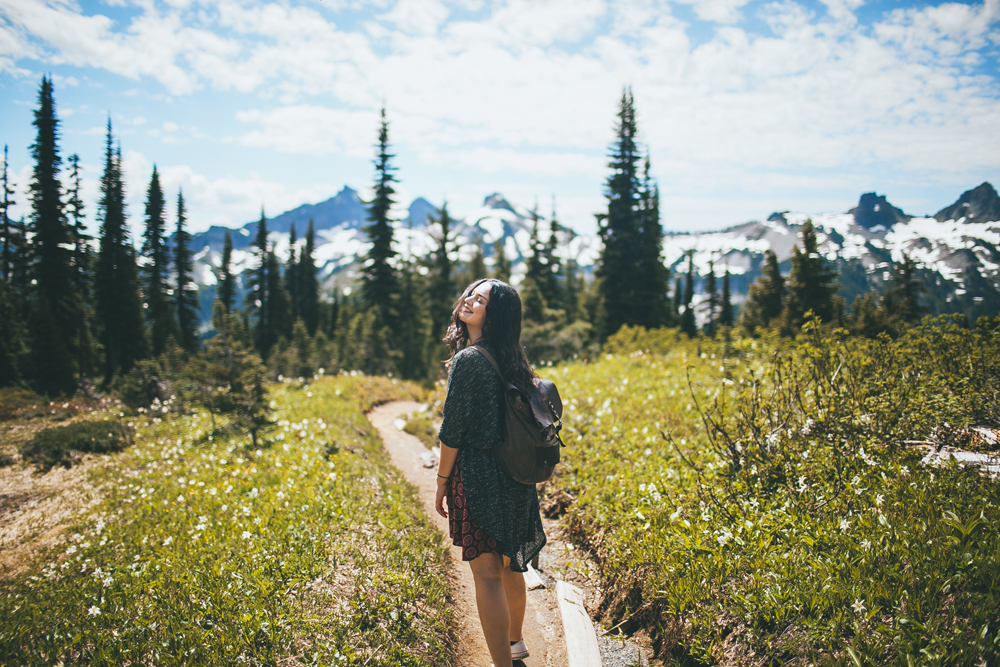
501, 331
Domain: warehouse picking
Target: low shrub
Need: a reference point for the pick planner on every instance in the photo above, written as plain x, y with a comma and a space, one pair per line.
61, 445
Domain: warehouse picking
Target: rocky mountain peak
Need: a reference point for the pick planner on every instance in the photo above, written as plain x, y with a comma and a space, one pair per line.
980, 204
497, 200
873, 210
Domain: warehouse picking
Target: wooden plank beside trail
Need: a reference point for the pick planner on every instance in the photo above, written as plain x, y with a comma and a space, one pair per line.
581, 639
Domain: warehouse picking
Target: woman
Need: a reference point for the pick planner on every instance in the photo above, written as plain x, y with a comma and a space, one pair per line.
494, 519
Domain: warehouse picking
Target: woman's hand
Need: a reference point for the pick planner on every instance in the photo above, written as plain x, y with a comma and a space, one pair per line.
442, 491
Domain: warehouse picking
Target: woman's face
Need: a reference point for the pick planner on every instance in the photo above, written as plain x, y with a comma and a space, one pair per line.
473, 308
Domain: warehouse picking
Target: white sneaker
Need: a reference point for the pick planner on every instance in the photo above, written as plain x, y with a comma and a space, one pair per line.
518, 651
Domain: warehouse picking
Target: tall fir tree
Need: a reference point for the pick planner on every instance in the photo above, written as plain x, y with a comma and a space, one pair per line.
711, 300
812, 284
765, 298
652, 283
501, 263
688, 323
532, 287
902, 299
293, 283
118, 302
226, 279
279, 307
256, 299
441, 288
6, 225
726, 301
379, 282
186, 296
550, 278
571, 278
308, 282
414, 324
52, 260
618, 227
87, 362
678, 296
155, 249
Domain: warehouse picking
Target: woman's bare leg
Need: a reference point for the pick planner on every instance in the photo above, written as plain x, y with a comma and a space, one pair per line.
517, 599
491, 600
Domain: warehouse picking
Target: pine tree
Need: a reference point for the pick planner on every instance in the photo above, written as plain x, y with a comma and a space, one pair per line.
86, 345
187, 292
10, 337
227, 282
118, 304
379, 282
501, 265
413, 324
476, 267
688, 324
712, 302
309, 287
571, 283
550, 259
652, 283
155, 249
902, 300
812, 284
6, 226
279, 309
441, 290
618, 228
532, 287
678, 296
52, 265
257, 296
293, 283
726, 302
766, 296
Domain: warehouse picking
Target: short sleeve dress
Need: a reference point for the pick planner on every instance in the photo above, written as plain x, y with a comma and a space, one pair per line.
488, 510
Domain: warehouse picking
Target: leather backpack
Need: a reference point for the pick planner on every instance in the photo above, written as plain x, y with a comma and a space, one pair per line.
529, 451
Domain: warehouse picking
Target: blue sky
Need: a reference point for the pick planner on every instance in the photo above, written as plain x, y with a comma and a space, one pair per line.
745, 106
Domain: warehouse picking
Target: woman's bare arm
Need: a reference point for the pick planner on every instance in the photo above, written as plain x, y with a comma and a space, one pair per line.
445, 467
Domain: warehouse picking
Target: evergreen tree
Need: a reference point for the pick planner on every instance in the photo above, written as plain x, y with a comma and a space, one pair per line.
532, 287
441, 290
293, 283
618, 228
279, 309
688, 324
227, 282
571, 283
257, 296
10, 337
765, 298
678, 296
187, 290
902, 300
6, 226
726, 302
379, 282
118, 304
652, 283
812, 284
155, 249
476, 268
309, 287
52, 260
712, 302
413, 324
86, 345
550, 261
501, 265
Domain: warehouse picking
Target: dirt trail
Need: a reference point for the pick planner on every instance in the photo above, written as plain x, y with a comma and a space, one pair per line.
543, 631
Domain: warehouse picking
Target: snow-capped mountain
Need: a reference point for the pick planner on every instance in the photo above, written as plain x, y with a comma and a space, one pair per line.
958, 249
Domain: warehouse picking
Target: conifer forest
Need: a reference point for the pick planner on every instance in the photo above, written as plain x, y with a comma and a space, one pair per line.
781, 479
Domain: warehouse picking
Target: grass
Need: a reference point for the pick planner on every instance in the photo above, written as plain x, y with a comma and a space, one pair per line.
421, 425
311, 549
754, 502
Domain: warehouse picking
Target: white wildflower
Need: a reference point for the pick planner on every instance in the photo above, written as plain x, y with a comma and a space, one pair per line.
94, 611
844, 524
858, 606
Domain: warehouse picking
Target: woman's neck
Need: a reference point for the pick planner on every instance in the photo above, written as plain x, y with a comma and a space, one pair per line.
475, 333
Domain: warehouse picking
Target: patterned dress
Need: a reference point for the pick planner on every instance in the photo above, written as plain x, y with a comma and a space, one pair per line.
488, 511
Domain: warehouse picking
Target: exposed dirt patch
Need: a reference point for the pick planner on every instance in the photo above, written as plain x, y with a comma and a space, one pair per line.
35, 508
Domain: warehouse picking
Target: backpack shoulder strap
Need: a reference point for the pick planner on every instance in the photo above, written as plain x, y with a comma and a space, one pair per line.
489, 357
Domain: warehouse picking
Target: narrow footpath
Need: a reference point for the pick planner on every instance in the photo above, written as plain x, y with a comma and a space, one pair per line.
543, 627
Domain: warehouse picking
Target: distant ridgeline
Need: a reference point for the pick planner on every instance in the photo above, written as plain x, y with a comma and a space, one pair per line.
957, 250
